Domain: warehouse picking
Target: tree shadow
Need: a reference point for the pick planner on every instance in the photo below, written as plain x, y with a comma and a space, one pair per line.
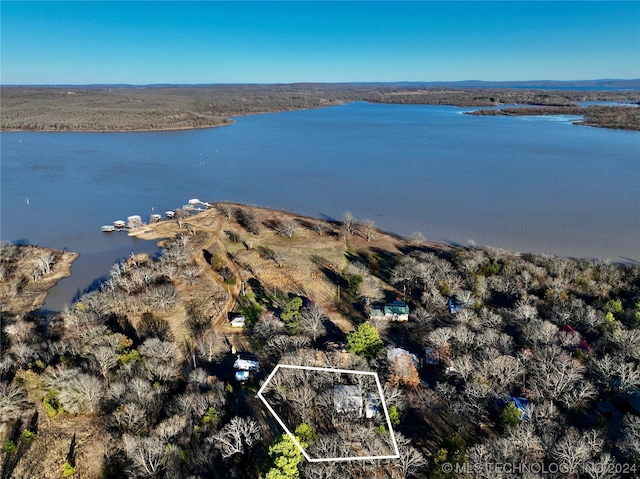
412, 248
152, 326
386, 261
120, 323
95, 285
328, 218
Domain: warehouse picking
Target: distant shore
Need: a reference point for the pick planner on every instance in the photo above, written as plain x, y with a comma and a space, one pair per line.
622, 118
128, 109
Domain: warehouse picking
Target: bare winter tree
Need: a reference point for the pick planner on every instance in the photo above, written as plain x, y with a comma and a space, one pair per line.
162, 296
225, 209
268, 326
238, 436
171, 428
312, 319
417, 238
558, 376
247, 220
321, 227
146, 454
282, 344
630, 443
368, 229
43, 265
286, 228
602, 467
271, 254
411, 462
176, 250
130, 418
81, 394
349, 223
190, 273
13, 401
107, 359
211, 346
572, 452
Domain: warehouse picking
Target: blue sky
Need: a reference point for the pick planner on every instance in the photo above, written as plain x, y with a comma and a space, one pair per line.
282, 42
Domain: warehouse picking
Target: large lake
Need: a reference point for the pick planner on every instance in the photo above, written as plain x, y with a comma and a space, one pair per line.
536, 184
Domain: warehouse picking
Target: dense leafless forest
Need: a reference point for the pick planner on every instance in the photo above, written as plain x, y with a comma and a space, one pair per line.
175, 107
525, 360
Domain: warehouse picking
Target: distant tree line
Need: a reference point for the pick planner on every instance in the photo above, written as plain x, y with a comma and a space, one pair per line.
157, 108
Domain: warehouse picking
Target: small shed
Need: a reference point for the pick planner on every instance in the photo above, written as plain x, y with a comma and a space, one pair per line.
242, 375
238, 321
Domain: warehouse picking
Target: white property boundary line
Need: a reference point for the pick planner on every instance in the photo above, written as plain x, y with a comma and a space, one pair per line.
330, 370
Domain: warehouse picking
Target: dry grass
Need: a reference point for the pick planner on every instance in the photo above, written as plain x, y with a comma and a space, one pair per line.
47, 453
304, 264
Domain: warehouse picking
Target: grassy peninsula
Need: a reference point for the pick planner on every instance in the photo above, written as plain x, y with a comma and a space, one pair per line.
128, 108
136, 379
27, 273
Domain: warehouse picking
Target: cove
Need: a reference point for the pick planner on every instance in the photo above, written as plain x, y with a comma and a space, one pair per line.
528, 184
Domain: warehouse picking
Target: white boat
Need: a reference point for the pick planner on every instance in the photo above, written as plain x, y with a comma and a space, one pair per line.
169, 214
119, 224
108, 228
155, 218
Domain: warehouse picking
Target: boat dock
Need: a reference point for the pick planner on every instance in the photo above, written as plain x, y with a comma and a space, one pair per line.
135, 221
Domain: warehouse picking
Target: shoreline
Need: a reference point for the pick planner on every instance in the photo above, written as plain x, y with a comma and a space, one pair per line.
22, 294
150, 232
212, 222
537, 110
17, 130
81, 109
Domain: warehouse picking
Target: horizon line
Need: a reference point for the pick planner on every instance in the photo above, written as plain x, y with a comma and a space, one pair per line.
372, 82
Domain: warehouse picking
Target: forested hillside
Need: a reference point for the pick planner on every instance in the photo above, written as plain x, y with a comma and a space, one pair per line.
519, 359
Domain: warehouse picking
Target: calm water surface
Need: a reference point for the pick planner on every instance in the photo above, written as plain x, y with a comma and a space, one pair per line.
535, 184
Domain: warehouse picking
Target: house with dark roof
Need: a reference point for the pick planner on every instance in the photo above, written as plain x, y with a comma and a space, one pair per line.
629, 393
396, 311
